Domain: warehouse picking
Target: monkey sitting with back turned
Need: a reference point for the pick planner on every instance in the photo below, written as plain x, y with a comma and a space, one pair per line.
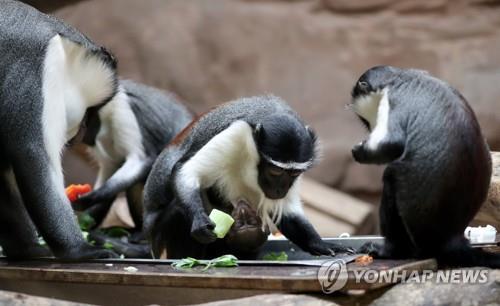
252, 149
125, 137
439, 165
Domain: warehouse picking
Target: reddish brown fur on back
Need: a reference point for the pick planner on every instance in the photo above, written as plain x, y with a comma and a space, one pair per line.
179, 138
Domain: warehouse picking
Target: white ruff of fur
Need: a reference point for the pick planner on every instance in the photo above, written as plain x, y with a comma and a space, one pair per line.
229, 162
119, 149
375, 109
73, 79
119, 136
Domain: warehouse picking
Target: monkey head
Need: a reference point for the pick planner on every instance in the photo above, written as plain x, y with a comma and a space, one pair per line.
286, 148
374, 80
246, 234
368, 92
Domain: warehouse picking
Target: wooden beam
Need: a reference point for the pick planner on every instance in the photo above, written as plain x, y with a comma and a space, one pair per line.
322, 203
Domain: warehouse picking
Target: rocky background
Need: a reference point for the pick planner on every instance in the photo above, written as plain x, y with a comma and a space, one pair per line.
310, 52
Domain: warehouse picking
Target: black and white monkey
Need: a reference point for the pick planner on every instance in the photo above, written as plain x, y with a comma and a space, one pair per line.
253, 149
125, 137
439, 165
51, 75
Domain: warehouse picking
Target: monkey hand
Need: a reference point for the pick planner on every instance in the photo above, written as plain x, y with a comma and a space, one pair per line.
202, 229
87, 251
83, 201
377, 250
325, 248
359, 153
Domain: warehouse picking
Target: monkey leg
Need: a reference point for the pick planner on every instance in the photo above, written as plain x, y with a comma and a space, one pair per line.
398, 243
18, 235
134, 170
99, 211
42, 189
135, 203
172, 231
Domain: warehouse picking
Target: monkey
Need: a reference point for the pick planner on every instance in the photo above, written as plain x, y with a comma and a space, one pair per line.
246, 234
125, 136
438, 165
52, 76
254, 149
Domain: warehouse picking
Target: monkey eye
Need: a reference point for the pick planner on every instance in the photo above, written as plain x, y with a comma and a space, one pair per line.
363, 85
295, 173
276, 171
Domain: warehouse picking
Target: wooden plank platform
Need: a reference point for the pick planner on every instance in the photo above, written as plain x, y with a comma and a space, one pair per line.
58, 278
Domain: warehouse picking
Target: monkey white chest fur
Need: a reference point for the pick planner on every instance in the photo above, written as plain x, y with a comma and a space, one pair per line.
374, 108
229, 162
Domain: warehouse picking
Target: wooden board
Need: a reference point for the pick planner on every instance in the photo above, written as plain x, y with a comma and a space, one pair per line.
275, 278
333, 212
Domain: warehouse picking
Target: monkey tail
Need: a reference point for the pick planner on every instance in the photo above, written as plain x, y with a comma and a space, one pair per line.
459, 253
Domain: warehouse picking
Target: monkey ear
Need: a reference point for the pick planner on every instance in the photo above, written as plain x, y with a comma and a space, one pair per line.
257, 131
311, 133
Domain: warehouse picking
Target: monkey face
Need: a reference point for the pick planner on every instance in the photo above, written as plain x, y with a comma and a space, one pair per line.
275, 181
246, 234
286, 148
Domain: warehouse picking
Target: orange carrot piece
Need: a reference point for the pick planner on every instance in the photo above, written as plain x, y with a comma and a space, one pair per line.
74, 191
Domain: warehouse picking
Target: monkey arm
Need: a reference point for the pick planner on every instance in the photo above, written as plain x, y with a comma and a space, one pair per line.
386, 152
188, 192
301, 232
132, 171
41, 187
104, 173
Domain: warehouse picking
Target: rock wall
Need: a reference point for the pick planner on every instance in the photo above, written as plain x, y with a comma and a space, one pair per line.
310, 52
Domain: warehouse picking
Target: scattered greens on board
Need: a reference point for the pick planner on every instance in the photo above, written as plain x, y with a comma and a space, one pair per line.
222, 261
282, 256
115, 232
41, 241
223, 222
85, 221
107, 245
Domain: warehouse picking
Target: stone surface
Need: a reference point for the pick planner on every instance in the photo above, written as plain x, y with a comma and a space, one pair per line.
432, 293
310, 52
21, 299
274, 299
490, 211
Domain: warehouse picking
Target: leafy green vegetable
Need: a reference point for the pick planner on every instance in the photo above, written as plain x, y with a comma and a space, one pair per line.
223, 222
85, 221
41, 241
108, 245
222, 261
282, 256
116, 232
186, 263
